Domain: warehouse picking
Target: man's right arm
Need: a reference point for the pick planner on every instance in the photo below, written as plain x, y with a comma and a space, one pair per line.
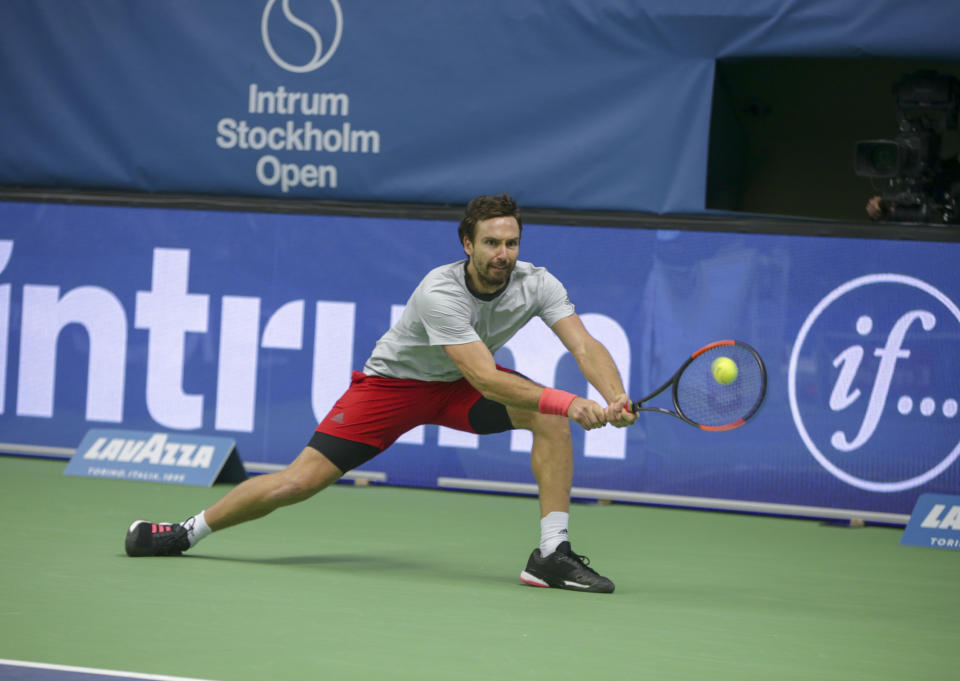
479, 368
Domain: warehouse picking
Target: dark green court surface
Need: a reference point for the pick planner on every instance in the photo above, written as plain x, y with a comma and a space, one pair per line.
385, 583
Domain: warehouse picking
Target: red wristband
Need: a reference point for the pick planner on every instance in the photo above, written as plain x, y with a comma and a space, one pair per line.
553, 401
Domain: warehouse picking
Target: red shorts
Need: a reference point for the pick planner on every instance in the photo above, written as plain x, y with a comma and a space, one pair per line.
376, 410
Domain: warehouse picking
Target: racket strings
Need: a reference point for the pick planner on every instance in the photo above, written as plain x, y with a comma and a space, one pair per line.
703, 400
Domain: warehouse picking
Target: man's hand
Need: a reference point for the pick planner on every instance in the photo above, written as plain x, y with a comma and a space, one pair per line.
587, 414
618, 412
876, 208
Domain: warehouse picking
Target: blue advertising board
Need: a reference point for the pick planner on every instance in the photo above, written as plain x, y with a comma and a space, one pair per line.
586, 104
172, 458
248, 325
934, 523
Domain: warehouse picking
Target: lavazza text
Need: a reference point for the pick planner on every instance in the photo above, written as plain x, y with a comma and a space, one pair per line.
297, 134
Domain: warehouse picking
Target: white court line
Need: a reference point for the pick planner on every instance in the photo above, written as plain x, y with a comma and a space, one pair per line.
91, 670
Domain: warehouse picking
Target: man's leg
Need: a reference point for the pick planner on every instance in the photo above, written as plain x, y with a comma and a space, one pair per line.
554, 564
551, 457
254, 498
380, 409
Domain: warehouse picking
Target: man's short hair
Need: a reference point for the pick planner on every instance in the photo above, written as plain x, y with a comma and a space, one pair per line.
484, 208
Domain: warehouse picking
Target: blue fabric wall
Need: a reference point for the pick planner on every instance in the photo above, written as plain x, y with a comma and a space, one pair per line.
582, 104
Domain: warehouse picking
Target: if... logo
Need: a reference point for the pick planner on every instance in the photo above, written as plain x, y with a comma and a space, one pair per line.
874, 382
303, 41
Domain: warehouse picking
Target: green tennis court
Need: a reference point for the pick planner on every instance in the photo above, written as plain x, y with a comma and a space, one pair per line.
389, 583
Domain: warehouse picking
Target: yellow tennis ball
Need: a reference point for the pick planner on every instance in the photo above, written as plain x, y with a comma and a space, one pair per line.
724, 370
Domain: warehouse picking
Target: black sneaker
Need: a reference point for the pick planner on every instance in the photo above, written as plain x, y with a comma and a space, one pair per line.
145, 538
564, 569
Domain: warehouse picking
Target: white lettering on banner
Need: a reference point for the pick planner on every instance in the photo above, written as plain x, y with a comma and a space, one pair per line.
157, 450
152, 451
233, 134
203, 457
45, 314
169, 313
416, 436
951, 521
332, 354
237, 363
270, 172
130, 449
94, 451
608, 443
942, 543
297, 137
281, 101
889, 354
101, 472
239, 353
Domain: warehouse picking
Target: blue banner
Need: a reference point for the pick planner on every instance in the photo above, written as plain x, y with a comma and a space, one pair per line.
591, 104
248, 326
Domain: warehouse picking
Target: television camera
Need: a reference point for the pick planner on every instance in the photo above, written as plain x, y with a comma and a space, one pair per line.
920, 187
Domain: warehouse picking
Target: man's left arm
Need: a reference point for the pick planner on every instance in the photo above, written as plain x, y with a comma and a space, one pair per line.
598, 368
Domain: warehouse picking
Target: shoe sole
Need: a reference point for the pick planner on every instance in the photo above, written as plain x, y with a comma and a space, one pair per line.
533, 580
527, 578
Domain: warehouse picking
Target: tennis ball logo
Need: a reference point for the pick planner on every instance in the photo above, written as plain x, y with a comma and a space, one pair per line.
724, 370
302, 37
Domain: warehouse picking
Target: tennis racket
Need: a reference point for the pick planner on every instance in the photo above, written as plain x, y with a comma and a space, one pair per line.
702, 401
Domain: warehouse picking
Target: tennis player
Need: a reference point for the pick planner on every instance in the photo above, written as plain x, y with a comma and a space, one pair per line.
436, 366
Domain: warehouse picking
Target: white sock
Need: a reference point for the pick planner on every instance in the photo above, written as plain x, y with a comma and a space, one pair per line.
553, 531
197, 528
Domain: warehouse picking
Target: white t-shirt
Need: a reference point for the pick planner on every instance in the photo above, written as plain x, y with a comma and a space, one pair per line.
442, 311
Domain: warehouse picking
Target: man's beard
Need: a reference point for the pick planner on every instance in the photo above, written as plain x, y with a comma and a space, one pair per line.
503, 274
